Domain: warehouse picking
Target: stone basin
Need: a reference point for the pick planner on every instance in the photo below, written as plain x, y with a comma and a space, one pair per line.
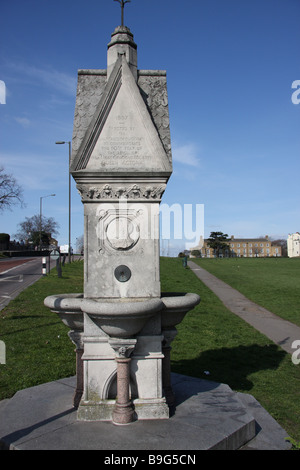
68, 308
121, 318
176, 306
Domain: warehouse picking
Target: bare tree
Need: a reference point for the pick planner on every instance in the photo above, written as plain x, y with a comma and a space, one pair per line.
280, 242
11, 192
36, 232
80, 244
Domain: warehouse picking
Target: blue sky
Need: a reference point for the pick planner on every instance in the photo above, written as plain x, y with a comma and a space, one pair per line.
234, 128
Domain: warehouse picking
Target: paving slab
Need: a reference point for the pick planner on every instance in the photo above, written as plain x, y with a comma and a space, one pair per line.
269, 434
208, 415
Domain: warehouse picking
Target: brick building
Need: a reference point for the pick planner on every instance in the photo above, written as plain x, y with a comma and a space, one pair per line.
243, 247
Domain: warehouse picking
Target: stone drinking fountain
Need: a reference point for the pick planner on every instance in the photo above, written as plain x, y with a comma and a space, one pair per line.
122, 325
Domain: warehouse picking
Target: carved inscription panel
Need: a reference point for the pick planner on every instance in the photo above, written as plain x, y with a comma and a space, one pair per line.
121, 145
124, 141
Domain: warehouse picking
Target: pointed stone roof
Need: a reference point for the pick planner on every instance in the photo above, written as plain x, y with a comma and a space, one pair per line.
103, 101
121, 134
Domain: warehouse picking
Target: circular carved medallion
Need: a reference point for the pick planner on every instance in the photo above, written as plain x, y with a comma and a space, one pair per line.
122, 233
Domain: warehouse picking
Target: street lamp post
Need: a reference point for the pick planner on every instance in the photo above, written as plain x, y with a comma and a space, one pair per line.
68, 142
41, 198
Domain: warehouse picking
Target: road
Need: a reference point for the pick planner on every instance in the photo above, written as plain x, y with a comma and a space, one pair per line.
16, 274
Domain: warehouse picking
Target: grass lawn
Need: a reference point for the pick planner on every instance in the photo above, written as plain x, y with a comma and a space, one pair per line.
273, 283
38, 349
210, 339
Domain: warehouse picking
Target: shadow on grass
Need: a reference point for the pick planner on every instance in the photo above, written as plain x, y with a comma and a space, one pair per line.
231, 366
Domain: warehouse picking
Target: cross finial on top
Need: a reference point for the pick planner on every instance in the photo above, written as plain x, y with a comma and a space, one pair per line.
122, 3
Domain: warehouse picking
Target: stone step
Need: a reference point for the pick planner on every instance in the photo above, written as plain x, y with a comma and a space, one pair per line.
207, 415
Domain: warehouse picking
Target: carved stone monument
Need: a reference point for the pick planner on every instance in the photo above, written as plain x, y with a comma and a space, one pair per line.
121, 162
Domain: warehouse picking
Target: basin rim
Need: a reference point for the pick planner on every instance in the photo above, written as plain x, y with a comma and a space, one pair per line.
115, 307
64, 302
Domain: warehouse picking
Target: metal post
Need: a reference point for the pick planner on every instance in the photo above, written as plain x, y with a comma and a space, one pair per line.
41, 222
69, 203
44, 266
64, 142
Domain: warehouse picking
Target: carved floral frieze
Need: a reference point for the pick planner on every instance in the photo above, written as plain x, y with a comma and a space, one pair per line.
108, 191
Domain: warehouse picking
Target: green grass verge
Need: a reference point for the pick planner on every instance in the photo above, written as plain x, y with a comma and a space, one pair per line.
273, 283
38, 349
210, 338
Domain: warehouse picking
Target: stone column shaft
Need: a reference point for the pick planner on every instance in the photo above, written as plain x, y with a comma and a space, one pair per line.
77, 340
124, 410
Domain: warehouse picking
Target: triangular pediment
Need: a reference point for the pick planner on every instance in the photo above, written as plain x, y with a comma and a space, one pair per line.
121, 135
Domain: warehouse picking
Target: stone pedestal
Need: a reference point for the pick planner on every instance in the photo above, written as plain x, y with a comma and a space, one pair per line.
121, 161
101, 373
168, 337
77, 338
